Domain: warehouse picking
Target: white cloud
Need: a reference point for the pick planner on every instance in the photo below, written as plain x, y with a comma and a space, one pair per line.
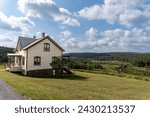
15, 23
67, 41
120, 39
47, 9
7, 44
63, 10
72, 22
7, 40
71, 42
134, 39
91, 33
126, 12
91, 13
134, 17
66, 34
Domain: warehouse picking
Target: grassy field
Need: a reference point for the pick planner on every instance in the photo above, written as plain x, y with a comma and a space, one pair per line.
113, 68
82, 86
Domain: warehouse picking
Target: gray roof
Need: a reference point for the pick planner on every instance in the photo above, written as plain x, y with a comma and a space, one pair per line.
27, 42
24, 41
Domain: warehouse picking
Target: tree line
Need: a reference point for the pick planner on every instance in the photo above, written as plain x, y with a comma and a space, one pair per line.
3, 53
137, 59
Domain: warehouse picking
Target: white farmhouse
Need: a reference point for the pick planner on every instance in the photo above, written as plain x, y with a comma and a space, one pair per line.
33, 54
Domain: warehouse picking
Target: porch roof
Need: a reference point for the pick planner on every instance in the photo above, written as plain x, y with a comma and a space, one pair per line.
13, 54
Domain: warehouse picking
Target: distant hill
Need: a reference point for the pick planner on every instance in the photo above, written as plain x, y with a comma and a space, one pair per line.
3, 53
106, 56
101, 55
138, 59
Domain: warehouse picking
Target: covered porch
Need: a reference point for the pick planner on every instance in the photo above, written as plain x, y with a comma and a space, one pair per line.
14, 62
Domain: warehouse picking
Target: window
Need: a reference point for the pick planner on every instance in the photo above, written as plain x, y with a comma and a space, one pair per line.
37, 61
46, 47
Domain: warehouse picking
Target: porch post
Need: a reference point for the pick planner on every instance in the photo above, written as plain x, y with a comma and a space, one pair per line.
16, 61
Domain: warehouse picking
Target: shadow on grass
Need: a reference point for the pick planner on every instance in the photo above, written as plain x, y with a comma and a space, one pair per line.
70, 77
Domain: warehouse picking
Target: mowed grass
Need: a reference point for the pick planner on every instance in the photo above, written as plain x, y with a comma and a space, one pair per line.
82, 86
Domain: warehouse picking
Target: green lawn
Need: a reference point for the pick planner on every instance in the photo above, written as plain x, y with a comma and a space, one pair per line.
1, 66
82, 86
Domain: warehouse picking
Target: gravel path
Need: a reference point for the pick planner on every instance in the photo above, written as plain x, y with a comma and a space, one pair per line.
8, 93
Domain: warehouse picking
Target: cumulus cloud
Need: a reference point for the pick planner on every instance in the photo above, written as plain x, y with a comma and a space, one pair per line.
91, 33
119, 39
71, 42
7, 42
72, 22
15, 23
66, 34
135, 17
67, 41
47, 9
6, 39
91, 13
109, 40
125, 12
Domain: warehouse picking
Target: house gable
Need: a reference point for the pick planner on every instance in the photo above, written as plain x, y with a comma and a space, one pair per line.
37, 50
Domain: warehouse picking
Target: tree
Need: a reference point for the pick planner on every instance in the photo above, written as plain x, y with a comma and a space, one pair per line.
57, 63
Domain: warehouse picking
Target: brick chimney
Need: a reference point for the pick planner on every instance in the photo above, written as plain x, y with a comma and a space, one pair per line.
43, 34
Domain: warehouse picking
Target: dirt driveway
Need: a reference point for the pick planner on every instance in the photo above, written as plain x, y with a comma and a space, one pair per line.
8, 93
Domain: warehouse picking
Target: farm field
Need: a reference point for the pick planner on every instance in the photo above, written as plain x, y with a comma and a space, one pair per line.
82, 86
113, 68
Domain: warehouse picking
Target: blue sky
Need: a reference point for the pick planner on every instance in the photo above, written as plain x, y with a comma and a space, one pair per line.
80, 25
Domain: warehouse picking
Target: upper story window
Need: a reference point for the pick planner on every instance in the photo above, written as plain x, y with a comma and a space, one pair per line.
37, 61
46, 47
